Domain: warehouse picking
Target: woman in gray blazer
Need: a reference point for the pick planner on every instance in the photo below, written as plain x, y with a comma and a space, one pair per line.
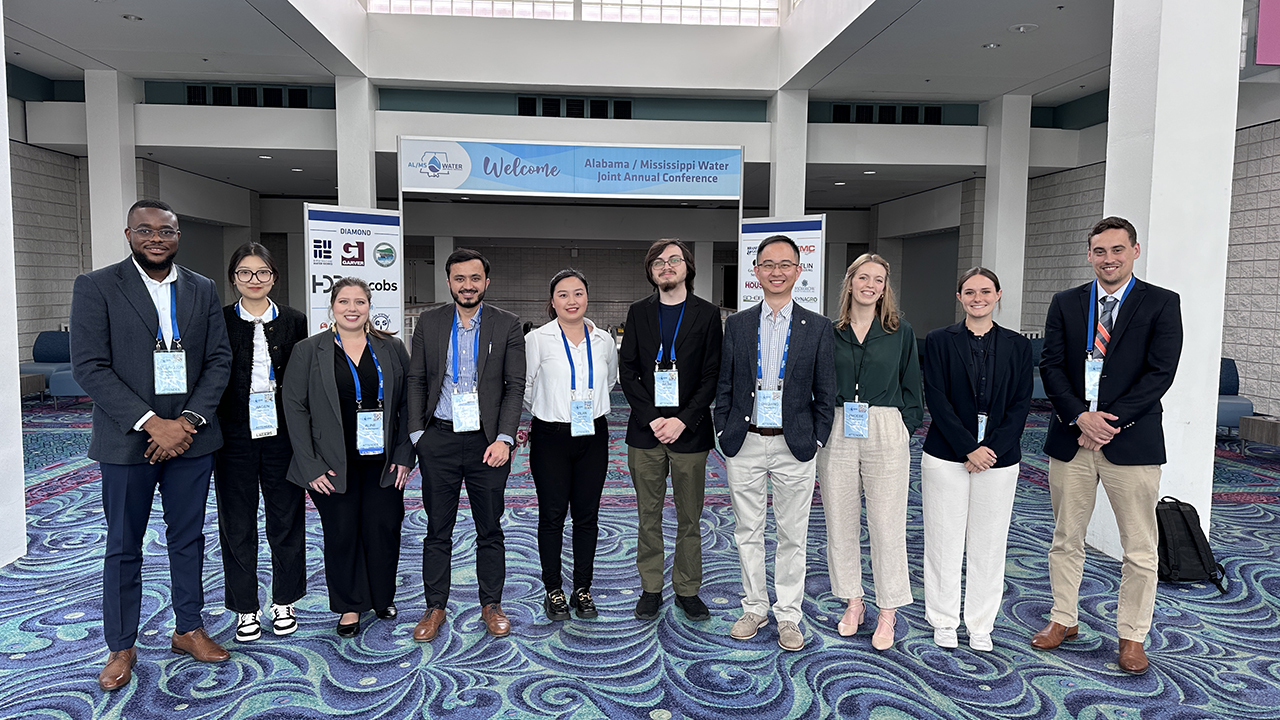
346, 410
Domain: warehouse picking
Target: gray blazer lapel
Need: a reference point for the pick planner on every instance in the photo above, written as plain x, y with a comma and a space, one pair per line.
437, 365
487, 331
324, 359
132, 287
1127, 310
798, 342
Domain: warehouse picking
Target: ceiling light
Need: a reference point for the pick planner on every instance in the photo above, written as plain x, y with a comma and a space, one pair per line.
1024, 28
464, 197
297, 169
264, 157
868, 172
132, 18
839, 184
991, 46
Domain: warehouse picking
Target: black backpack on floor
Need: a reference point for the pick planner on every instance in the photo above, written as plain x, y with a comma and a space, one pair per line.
1184, 553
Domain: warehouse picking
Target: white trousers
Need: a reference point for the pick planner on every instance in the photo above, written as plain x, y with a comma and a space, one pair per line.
759, 459
966, 519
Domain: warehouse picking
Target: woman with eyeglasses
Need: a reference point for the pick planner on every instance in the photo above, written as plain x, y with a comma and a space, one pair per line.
255, 451
869, 453
571, 365
348, 412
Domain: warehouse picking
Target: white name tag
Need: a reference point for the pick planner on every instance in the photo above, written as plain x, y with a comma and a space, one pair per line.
769, 408
982, 426
263, 421
369, 432
856, 420
466, 412
666, 388
1092, 377
581, 419
170, 372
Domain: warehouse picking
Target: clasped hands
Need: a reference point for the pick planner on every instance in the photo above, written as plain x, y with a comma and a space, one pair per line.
667, 430
1095, 430
168, 438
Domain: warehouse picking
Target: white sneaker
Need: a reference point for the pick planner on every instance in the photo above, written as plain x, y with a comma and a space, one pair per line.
282, 619
248, 628
945, 637
747, 626
982, 643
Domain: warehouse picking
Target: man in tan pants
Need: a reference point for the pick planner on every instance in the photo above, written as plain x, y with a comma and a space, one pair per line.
1111, 349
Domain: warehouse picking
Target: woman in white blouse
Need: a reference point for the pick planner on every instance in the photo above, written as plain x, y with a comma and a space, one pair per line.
571, 367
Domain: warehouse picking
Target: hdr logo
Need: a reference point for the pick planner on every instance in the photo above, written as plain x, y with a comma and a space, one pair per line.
353, 253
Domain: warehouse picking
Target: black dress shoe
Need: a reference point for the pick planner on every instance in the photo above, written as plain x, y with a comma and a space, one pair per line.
555, 604
348, 630
693, 607
649, 605
581, 601
387, 613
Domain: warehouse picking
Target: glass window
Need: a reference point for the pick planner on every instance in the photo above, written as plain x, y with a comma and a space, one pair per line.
541, 9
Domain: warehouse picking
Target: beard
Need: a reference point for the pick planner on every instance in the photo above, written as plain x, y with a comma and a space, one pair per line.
147, 263
467, 303
669, 285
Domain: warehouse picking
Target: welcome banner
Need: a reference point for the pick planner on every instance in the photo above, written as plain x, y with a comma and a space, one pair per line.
479, 167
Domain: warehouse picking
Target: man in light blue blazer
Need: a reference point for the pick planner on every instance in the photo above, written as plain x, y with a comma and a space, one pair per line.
774, 407
149, 345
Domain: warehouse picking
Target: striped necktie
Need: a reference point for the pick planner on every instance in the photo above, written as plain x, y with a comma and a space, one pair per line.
1103, 334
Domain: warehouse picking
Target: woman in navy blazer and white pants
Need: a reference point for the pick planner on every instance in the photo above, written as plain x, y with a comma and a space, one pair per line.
977, 384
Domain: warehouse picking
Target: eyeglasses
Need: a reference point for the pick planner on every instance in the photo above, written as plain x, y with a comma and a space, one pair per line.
769, 266
146, 233
675, 261
261, 276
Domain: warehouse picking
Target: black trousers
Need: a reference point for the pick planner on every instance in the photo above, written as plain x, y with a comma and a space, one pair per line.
244, 465
568, 473
361, 538
127, 491
447, 460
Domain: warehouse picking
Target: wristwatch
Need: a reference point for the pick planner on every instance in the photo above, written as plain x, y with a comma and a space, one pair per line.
194, 418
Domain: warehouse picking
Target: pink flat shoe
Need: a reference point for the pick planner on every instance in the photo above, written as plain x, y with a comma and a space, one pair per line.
853, 615
882, 639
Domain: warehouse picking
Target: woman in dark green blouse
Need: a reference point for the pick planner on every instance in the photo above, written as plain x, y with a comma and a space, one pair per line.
879, 406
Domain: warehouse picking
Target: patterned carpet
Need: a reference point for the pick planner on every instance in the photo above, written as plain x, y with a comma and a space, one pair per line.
1213, 656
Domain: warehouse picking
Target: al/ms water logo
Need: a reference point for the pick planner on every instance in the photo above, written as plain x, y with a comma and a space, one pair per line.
435, 164
384, 254
322, 252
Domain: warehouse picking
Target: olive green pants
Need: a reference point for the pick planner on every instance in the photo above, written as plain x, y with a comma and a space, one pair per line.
649, 469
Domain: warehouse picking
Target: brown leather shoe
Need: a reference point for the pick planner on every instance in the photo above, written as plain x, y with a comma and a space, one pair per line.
429, 626
198, 645
495, 620
119, 669
1132, 658
1052, 636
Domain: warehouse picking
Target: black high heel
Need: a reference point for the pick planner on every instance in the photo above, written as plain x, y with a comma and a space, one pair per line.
348, 630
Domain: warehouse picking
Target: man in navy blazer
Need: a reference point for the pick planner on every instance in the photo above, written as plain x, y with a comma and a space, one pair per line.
771, 349
127, 320
1111, 348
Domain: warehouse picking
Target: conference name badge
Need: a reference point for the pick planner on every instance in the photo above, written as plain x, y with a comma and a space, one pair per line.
466, 412
856, 419
769, 408
170, 372
369, 432
666, 388
581, 420
982, 426
263, 421
1092, 378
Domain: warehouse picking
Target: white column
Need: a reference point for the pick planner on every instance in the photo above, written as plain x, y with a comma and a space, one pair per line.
444, 247
1170, 149
356, 100
13, 506
789, 129
113, 178
1004, 232
704, 256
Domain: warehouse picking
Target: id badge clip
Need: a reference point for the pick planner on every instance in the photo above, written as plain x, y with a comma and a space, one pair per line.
369, 432
982, 427
466, 411
769, 408
263, 421
666, 387
582, 420
856, 419
1092, 378
170, 370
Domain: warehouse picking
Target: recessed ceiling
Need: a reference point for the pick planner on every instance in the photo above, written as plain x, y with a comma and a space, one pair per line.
242, 167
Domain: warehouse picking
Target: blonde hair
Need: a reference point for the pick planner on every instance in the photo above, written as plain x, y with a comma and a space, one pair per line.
886, 308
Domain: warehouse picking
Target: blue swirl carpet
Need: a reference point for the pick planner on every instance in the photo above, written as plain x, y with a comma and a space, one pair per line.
1212, 656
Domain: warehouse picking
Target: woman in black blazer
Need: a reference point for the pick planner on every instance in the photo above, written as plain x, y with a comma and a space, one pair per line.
256, 453
341, 385
977, 384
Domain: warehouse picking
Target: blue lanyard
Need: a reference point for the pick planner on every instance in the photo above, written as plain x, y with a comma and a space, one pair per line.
591, 363
356, 376
676, 334
782, 367
1093, 310
173, 317
271, 367
475, 353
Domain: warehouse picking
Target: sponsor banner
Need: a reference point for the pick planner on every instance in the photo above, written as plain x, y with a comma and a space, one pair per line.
355, 241
809, 233
506, 168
